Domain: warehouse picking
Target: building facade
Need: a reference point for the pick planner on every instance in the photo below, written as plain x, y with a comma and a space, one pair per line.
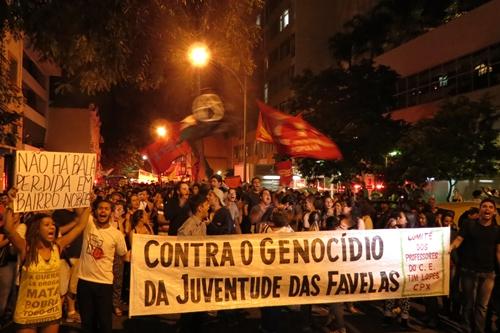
39, 127
11, 110
35, 88
295, 38
459, 58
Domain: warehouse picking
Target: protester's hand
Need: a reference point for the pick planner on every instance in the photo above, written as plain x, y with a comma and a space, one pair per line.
80, 210
11, 194
92, 197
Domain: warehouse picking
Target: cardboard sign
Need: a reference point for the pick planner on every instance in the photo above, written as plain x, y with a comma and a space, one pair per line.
53, 180
188, 274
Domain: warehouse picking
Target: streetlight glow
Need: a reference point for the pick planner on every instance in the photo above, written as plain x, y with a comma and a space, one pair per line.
199, 55
144, 157
161, 131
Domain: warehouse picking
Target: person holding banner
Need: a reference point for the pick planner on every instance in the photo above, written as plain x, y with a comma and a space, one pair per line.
95, 288
38, 306
335, 321
260, 213
398, 219
177, 209
271, 317
221, 222
195, 225
480, 243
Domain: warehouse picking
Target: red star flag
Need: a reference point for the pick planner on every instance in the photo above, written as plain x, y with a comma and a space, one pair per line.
293, 136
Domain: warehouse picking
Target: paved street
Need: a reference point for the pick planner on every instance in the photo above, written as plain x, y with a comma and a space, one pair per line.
369, 321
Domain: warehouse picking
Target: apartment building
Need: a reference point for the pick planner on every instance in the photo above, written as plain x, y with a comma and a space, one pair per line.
39, 126
295, 39
459, 58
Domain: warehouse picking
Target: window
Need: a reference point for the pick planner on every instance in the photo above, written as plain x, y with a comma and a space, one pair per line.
443, 80
34, 101
33, 134
266, 92
468, 73
33, 69
13, 70
483, 69
284, 19
258, 21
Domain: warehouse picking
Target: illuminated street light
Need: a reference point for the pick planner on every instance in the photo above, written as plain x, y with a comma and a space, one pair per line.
199, 55
144, 157
161, 131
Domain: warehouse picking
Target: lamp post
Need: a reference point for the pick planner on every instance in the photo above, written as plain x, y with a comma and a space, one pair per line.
161, 131
199, 56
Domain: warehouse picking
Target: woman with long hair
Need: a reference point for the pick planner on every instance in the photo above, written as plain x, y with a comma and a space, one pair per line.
140, 224
38, 307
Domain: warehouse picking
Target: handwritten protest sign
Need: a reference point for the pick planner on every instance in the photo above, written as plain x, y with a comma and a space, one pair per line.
53, 180
188, 274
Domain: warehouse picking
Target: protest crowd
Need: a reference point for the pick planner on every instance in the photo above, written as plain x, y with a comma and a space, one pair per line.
90, 251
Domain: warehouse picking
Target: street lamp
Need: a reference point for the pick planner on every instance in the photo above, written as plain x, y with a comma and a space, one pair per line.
161, 131
199, 56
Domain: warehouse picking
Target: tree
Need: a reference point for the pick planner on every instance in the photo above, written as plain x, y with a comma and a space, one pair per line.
350, 106
460, 142
392, 22
101, 44
137, 46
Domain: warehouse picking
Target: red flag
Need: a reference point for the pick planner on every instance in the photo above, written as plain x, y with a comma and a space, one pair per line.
294, 137
261, 134
233, 181
284, 169
161, 154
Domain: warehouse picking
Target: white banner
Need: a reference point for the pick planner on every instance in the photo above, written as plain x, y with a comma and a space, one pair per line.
53, 180
188, 274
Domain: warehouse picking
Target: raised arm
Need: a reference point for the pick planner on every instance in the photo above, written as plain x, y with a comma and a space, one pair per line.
82, 220
11, 232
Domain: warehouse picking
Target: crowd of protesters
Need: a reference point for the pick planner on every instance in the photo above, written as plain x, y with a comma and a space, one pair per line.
91, 251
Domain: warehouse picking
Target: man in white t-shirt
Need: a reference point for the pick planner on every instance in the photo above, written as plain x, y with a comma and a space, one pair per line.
95, 285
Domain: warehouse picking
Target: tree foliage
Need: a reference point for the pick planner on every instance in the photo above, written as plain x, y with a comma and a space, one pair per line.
391, 23
101, 44
460, 142
350, 106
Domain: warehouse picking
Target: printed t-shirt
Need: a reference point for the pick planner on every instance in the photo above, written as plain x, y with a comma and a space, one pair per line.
98, 252
39, 300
